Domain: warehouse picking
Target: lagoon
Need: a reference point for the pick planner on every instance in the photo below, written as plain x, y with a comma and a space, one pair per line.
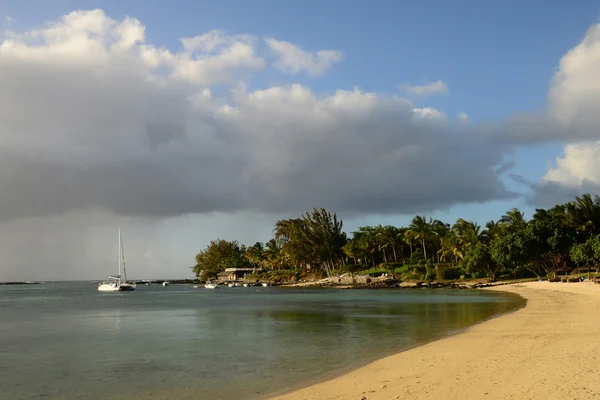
68, 341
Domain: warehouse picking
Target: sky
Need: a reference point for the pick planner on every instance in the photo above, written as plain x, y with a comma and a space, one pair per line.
187, 121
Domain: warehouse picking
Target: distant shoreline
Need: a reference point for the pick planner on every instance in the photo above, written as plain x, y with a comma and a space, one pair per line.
555, 332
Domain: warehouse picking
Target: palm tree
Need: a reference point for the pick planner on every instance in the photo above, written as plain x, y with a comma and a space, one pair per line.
291, 234
352, 249
410, 240
420, 229
389, 236
273, 254
450, 245
322, 231
492, 230
514, 219
256, 254
439, 229
584, 213
468, 233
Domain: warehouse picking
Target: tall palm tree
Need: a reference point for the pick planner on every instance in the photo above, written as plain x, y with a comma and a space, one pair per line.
323, 232
514, 219
389, 235
492, 230
584, 213
410, 240
420, 229
273, 254
450, 245
438, 230
353, 250
291, 234
468, 233
256, 254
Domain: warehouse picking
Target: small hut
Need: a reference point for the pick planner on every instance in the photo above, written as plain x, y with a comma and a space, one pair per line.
235, 274
587, 268
564, 270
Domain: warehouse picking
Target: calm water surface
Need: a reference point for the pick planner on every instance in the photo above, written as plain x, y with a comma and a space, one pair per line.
68, 341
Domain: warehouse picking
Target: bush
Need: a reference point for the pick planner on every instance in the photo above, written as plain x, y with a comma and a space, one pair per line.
430, 275
350, 268
416, 258
419, 269
429, 271
447, 273
398, 268
522, 272
440, 273
277, 276
373, 271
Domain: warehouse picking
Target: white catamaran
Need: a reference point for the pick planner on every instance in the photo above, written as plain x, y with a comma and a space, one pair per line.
115, 283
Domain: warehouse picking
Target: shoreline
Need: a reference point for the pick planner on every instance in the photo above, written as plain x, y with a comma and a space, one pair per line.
546, 349
388, 283
340, 372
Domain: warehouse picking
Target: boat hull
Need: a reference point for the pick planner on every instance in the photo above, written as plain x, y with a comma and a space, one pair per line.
109, 287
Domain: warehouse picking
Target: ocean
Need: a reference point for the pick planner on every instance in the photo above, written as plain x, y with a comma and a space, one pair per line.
69, 341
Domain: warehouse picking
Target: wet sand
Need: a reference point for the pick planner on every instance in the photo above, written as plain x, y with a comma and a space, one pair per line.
550, 349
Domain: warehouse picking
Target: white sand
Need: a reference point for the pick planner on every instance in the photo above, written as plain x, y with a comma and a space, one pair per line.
549, 349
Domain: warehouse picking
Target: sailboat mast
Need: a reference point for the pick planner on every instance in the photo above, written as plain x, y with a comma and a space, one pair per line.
122, 257
119, 256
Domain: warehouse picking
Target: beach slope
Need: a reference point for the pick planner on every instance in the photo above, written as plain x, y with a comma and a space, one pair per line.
550, 349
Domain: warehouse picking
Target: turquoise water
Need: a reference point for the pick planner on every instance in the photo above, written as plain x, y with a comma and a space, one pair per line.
68, 341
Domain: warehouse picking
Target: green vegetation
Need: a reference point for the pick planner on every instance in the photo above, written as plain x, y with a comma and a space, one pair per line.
561, 238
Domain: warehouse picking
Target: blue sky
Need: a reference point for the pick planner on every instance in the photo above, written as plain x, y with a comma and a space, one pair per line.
497, 57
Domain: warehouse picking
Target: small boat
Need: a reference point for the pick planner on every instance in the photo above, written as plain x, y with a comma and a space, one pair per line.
165, 283
265, 283
210, 285
115, 283
230, 285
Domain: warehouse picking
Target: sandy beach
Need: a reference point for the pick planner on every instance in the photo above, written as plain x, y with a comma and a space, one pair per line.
550, 349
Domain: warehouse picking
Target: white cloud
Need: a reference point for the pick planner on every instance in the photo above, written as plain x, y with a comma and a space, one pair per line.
575, 91
293, 59
581, 162
93, 117
574, 109
430, 89
215, 40
207, 42
91, 40
9, 20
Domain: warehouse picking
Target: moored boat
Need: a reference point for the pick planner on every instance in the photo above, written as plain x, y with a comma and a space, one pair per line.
115, 283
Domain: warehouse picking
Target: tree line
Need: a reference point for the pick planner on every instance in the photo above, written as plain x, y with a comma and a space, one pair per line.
559, 238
